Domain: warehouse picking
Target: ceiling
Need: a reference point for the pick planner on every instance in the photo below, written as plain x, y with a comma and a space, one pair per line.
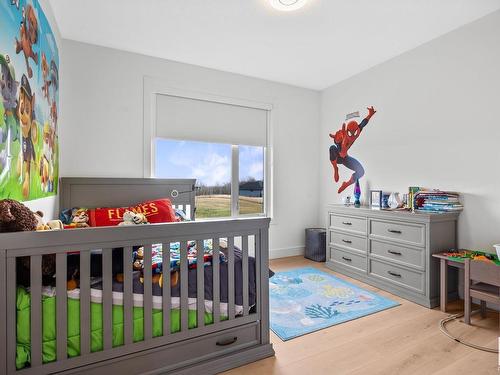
323, 43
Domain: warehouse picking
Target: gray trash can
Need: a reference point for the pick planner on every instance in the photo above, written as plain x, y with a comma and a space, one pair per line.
316, 244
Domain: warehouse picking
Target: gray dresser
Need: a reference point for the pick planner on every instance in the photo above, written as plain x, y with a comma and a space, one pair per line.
392, 249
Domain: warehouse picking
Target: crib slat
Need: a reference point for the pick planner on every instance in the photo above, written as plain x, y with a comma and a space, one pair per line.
216, 280
85, 302
148, 289
258, 262
61, 300
263, 287
107, 298
11, 315
200, 283
36, 310
166, 288
184, 286
230, 278
128, 302
244, 269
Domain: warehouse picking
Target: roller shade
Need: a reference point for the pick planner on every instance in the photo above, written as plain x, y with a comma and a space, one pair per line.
207, 121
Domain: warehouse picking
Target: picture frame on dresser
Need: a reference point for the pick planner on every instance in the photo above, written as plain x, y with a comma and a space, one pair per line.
376, 199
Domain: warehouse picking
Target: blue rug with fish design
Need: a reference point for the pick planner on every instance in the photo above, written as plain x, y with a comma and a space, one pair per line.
305, 300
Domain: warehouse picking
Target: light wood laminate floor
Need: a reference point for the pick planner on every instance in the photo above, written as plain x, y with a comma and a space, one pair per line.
402, 340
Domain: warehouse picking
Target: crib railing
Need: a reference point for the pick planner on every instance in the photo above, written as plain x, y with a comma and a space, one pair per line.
33, 248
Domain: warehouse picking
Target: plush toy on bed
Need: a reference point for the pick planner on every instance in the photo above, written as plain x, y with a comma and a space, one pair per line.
80, 218
133, 218
16, 217
75, 218
157, 277
49, 225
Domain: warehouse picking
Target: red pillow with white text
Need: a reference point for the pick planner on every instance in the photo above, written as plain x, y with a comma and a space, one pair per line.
156, 211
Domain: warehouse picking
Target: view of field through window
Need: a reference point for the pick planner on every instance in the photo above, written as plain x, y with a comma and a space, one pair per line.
210, 164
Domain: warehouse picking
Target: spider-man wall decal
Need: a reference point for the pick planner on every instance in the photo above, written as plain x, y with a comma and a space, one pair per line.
343, 139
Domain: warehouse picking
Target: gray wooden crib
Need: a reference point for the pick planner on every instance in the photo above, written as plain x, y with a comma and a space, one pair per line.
127, 339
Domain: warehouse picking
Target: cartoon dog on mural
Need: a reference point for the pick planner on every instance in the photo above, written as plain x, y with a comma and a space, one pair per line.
8, 129
8, 84
4, 159
29, 133
46, 80
29, 37
54, 83
343, 140
46, 159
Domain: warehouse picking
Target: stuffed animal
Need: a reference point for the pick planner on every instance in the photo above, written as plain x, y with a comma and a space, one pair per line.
49, 225
133, 218
139, 259
16, 217
79, 218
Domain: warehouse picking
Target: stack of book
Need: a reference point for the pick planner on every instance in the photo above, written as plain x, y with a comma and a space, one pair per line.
437, 201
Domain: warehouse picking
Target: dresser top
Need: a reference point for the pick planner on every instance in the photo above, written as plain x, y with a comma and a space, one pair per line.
395, 214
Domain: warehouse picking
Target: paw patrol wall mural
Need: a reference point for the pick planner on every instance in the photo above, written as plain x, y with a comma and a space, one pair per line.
29, 97
343, 139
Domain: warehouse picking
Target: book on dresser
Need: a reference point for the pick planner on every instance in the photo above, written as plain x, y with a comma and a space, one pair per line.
392, 249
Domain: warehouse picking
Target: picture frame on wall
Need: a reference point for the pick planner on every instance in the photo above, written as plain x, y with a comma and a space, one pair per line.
376, 199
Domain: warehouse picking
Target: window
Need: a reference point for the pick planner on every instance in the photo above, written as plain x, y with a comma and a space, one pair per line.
251, 180
221, 142
213, 166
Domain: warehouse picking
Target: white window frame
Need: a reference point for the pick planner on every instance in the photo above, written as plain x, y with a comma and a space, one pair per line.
154, 87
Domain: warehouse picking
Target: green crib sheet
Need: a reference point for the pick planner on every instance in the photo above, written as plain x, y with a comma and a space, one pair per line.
23, 350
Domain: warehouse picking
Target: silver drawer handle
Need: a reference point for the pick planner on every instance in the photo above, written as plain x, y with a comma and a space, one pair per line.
394, 231
346, 223
347, 259
394, 252
394, 274
227, 342
346, 241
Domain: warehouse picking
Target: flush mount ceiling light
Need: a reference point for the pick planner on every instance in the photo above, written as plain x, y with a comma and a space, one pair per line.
287, 5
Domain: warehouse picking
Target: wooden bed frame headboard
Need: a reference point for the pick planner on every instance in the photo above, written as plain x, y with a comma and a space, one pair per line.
124, 192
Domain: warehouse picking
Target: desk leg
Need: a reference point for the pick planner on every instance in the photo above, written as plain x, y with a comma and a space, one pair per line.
444, 284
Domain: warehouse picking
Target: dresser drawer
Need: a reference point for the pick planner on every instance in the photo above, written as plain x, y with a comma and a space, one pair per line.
393, 252
349, 241
397, 275
413, 234
348, 259
348, 223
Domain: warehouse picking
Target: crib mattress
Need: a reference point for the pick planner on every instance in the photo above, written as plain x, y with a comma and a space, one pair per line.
49, 349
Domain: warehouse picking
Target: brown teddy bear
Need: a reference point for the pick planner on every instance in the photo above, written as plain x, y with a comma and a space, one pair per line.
16, 217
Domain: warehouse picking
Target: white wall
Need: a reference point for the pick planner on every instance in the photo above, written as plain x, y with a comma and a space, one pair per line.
437, 125
49, 206
104, 132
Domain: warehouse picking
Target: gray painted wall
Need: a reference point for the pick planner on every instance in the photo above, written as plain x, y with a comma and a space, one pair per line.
104, 136
437, 125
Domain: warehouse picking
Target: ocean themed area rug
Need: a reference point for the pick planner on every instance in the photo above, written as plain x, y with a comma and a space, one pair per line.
305, 300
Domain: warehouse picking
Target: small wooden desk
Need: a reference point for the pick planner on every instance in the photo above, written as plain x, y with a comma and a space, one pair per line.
443, 289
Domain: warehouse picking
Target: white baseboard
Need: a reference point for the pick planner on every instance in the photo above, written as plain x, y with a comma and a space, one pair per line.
286, 252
